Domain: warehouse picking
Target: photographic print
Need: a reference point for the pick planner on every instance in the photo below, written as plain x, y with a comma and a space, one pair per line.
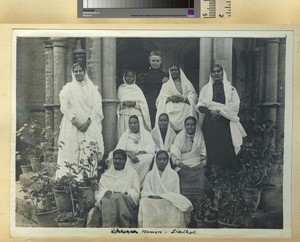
157, 132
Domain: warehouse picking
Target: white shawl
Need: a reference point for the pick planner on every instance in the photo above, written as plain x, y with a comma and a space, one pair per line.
176, 111
165, 186
131, 92
228, 110
157, 138
194, 157
126, 180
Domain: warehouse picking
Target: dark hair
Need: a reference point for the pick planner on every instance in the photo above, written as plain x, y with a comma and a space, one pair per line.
120, 152
79, 64
175, 64
165, 114
155, 52
133, 116
129, 70
162, 152
190, 118
217, 65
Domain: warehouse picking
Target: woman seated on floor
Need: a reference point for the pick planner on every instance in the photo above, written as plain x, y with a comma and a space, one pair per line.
162, 205
139, 146
189, 155
118, 194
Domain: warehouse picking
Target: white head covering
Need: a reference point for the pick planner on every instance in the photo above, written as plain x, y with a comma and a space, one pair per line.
157, 138
125, 180
131, 92
228, 110
192, 158
166, 186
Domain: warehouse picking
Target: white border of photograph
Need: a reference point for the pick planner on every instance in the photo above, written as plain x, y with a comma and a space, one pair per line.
195, 233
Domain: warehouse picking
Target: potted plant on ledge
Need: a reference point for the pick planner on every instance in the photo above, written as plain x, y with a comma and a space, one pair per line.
40, 193
205, 214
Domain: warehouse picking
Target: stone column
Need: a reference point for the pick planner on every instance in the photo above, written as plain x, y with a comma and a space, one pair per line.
205, 60
49, 94
222, 54
93, 54
71, 43
256, 53
59, 60
270, 102
262, 70
281, 95
109, 95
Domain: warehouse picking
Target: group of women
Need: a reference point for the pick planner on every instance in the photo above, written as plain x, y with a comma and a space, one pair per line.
163, 165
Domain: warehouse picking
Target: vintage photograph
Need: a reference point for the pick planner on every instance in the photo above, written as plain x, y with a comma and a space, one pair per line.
141, 132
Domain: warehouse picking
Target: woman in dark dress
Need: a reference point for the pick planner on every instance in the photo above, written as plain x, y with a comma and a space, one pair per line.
219, 104
151, 81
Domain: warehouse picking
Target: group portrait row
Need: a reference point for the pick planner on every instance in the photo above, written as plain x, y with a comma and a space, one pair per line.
168, 137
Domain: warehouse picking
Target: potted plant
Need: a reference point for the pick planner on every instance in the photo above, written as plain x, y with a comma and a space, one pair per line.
86, 169
258, 157
66, 219
206, 216
66, 188
40, 192
23, 162
233, 203
28, 141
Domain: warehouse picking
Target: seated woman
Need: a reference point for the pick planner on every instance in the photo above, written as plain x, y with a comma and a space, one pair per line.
139, 146
132, 102
162, 134
189, 154
177, 98
162, 206
118, 194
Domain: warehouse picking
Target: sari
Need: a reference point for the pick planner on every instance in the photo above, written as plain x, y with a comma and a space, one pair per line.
173, 210
81, 100
131, 92
190, 150
119, 210
135, 143
177, 111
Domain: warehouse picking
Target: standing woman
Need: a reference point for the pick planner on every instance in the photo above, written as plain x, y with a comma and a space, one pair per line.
81, 105
177, 98
219, 104
151, 82
132, 102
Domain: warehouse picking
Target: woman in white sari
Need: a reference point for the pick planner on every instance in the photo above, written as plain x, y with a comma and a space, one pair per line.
139, 146
118, 194
189, 154
81, 105
177, 98
162, 134
162, 205
132, 102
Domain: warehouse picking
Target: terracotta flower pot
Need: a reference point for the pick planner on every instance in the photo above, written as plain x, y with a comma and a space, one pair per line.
35, 162
255, 194
26, 168
63, 200
207, 224
226, 225
47, 219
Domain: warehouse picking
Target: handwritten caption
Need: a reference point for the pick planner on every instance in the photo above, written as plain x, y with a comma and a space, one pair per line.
149, 231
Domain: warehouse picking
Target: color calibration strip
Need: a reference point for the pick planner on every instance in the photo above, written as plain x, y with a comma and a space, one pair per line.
154, 8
